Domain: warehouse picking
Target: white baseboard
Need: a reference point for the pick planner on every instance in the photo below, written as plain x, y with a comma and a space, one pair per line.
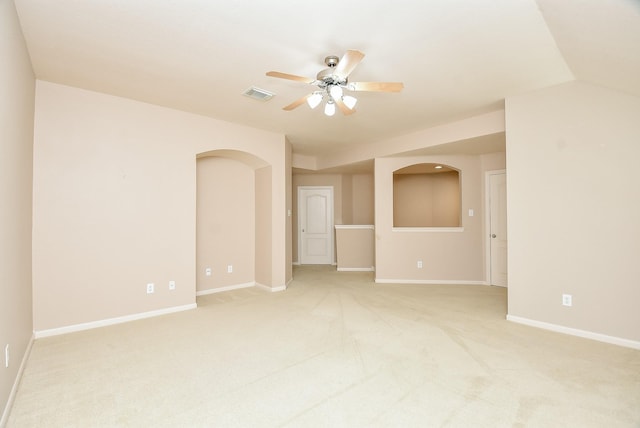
272, 289
227, 288
576, 332
111, 321
356, 269
14, 388
239, 286
429, 281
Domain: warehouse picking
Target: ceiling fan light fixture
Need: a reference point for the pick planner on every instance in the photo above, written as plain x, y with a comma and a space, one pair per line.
332, 82
335, 91
314, 99
349, 101
330, 108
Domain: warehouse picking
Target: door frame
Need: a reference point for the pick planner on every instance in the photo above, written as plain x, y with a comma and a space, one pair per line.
487, 220
332, 218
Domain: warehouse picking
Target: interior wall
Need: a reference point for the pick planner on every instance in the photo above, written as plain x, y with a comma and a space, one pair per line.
225, 223
363, 199
115, 203
263, 231
347, 198
481, 125
493, 161
446, 255
573, 205
17, 86
289, 210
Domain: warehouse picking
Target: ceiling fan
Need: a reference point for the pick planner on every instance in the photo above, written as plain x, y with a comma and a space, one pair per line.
332, 83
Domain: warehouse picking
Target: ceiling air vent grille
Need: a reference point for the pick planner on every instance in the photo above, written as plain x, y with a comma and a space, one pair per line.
258, 94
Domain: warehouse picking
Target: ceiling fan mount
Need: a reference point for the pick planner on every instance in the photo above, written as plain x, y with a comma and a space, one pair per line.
333, 81
331, 61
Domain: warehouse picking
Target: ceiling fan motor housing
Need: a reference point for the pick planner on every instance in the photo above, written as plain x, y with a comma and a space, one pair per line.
327, 77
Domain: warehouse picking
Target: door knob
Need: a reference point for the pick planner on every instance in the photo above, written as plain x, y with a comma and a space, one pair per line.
493, 235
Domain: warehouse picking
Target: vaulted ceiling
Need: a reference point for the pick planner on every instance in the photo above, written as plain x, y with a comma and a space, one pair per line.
457, 58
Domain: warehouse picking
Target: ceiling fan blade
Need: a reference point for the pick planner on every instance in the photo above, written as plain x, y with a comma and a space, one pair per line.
290, 77
296, 103
348, 62
376, 86
343, 107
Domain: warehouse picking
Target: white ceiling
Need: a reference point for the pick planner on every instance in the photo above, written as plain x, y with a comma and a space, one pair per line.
457, 58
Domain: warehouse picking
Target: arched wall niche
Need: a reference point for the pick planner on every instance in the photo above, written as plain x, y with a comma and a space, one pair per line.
427, 195
233, 221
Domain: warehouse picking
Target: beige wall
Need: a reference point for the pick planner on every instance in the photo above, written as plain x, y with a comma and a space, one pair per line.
477, 126
115, 203
347, 198
264, 219
446, 255
355, 247
493, 161
289, 209
362, 200
226, 210
573, 208
17, 85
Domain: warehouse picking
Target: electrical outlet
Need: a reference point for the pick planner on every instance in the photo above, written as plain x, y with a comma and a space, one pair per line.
172, 285
229, 268
419, 264
6, 356
150, 288
207, 271
566, 300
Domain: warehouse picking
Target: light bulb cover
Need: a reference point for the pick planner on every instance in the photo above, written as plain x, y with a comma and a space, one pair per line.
349, 101
314, 99
335, 91
330, 108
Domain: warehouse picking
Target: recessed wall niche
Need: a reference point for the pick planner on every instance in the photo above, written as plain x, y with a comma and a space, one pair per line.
426, 195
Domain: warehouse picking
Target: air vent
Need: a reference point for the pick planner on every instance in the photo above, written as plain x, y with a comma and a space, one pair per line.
258, 94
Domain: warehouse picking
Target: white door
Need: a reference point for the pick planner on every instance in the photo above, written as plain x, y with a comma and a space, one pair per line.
498, 229
315, 225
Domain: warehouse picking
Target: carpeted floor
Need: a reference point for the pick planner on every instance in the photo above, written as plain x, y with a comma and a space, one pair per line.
334, 350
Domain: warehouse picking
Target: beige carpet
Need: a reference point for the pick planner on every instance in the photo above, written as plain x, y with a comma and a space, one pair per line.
333, 350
